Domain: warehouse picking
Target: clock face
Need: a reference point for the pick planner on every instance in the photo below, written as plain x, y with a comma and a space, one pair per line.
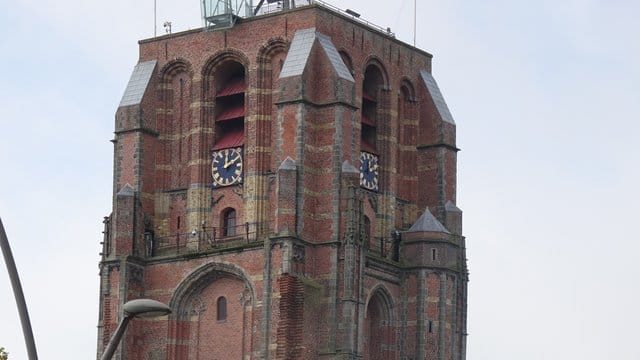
369, 171
226, 167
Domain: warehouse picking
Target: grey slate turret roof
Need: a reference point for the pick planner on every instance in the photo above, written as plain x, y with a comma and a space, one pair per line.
127, 190
138, 83
427, 222
300, 50
347, 167
450, 206
287, 164
437, 97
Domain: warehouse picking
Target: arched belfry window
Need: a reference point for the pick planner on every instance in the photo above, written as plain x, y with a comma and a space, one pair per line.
229, 222
229, 105
227, 153
370, 89
221, 308
369, 157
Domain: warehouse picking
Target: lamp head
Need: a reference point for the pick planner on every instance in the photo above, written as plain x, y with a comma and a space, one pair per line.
145, 308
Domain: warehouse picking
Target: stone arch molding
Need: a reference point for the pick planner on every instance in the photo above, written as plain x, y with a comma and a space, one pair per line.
213, 62
191, 287
406, 83
272, 47
168, 72
386, 298
376, 62
174, 67
221, 57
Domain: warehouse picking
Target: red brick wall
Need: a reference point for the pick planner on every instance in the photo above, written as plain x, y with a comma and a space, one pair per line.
219, 339
290, 324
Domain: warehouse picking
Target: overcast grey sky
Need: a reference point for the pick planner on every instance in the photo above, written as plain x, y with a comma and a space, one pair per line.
546, 98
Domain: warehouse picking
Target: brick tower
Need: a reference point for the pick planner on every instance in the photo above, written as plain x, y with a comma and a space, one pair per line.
286, 182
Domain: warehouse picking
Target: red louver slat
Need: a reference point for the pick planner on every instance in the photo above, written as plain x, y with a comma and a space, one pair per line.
233, 138
366, 120
368, 97
231, 113
365, 146
233, 87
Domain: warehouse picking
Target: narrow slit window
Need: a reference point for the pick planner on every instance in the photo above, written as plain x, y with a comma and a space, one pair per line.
221, 308
367, 231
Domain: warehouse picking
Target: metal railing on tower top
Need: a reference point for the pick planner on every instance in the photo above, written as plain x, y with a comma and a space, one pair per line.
219, 14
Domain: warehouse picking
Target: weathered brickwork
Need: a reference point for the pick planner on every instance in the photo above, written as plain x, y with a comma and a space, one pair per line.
297, 260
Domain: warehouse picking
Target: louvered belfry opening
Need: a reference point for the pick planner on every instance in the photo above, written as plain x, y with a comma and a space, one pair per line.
370, 87
229, 105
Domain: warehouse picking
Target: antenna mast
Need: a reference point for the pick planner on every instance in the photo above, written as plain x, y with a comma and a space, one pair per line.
155, 27
414, 21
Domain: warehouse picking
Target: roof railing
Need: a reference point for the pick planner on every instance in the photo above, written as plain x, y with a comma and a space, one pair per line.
352, 14
269, 8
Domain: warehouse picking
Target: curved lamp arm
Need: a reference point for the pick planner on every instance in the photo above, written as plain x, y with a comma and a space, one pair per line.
143, 308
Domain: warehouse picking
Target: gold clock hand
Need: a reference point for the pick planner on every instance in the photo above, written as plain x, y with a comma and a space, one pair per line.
235, 159
226, 161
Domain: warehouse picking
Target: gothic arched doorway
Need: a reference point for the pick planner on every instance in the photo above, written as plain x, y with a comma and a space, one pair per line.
378, 331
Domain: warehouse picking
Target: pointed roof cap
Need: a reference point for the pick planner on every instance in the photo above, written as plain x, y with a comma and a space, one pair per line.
127, 190
287, 164
450, 206
427, 222
347, 167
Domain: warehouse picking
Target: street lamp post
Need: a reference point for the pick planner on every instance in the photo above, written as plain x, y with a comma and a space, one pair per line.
143, 308
18, 294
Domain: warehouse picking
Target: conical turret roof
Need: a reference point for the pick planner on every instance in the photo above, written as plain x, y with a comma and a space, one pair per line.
427, 222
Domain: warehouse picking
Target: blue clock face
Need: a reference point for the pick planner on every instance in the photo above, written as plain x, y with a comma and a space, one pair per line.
369, 171
226, 167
